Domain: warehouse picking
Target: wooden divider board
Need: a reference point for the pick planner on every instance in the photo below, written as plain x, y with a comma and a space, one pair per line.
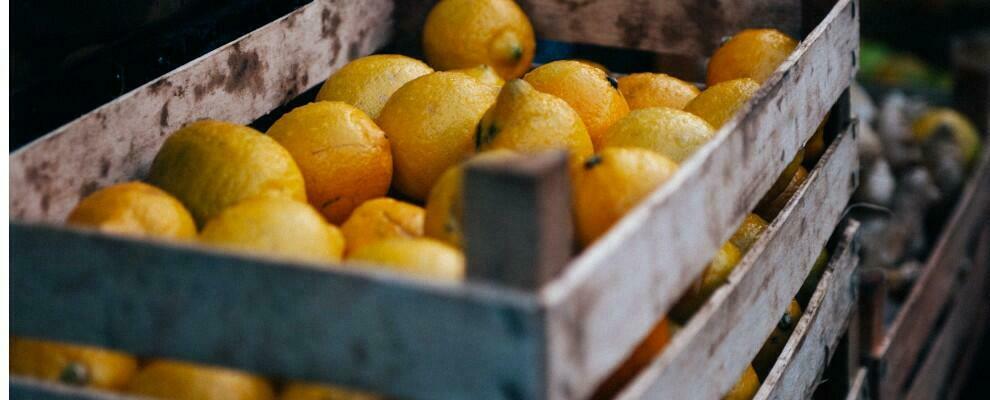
860, 386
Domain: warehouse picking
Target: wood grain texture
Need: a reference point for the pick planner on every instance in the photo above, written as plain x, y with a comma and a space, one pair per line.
357, 327
705, 358
905, 338
237, 82
809, 350
662, 245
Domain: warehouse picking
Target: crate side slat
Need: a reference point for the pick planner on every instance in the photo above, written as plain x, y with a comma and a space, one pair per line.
238, 82
706, 357
905, 338
31, 389
369, 330
685, 222
810, 347
859, 387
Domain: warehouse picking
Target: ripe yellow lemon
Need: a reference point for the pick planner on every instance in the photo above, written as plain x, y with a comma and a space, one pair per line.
419, 257
674, 134
719, 102
769, 210
815, 147
962, 130
317, 391
166, 379
483, 73
430, 123
465, 33
715, 275
368, 82
276, 226
588, 90
382, 218
774, 344
134, 208
528, 121
647, 89
746, 387
752, 53
749, 232
71, 364
344, 157
608, 184
211, 165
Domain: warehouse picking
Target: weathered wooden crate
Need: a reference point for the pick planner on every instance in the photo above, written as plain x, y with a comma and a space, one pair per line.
532, 327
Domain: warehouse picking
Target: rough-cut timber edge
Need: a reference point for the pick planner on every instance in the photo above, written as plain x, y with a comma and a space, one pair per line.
809, 350
904, 340
859, 389
237, 82
706, 357
962, 329
663, 244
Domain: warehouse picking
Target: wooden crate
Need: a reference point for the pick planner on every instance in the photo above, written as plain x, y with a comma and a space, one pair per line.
524, 328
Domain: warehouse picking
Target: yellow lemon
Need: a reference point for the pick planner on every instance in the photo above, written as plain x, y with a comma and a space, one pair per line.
815, 146
420, 257
610, 183
749, 232
71, 364
746, 387
962, 130
715, 275
316, 391
430, 123
719, 103
752, 53
211, 165
382, 218
277, 226
177, 380
588, 90
526, 120
774, 344
134, 208
344, 157
646, 89
769, 209
593, 64
483, 73
465, 33
674, 134
368, 82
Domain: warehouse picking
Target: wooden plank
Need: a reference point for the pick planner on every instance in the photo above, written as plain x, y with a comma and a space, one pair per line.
31, 389
359, 328
972, 349
704, 359
815, 338
238, 82
905, 338
860, 386
687, 220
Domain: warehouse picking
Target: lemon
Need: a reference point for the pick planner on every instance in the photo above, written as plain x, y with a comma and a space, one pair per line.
430, 123
134, 208
419, 257
368, 82
749, 232
588, 90
344, 157
526, 120
815, 146
315, 391
715, 275
774, 344
719, 103
610, 183
593, 64
483, 73
746, 387
815, 275
962, 130
465, 33
674, 134
210, 165
382, 218
166, 379
769, 210
752, 53
646, 89
71, 364
276, 226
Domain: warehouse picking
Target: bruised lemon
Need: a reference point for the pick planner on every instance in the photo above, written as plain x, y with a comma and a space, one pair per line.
752, 53
210, 165
382, 218
746, 387
368, 82
419, 257
484, 74
647, 89
960, 127
71, 364
770, 209
465, 33
674, 134
749, 232
588, 90
276, 226
344, 157
610, 183
526, 120
167, 379
715, 275
134, 208
316, 391
719, 103
774, 344
430, 123
641, 357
